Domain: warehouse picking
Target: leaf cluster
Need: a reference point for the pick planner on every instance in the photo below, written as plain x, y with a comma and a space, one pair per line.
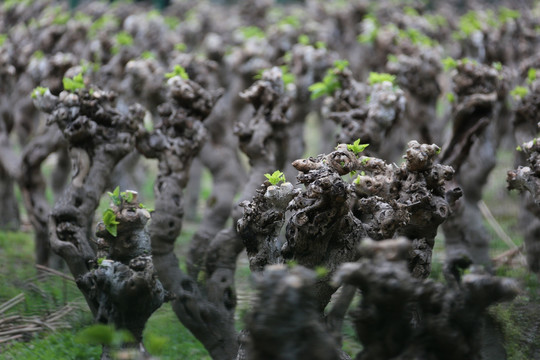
38, 91
177, 71
519, 92
109, 220
370, 25
356, 147
249, 32
74, 84
330, 82
378, 78
276, 177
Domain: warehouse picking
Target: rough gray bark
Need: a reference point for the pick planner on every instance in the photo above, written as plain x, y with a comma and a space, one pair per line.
176, 139
9, 209
99, 137
285, 321
367, 113
471, 152
450, 323
123, 284
33, 185
330, 218
417, 75
525, 178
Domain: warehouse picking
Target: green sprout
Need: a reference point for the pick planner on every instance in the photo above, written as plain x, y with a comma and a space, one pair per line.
391, 58
100, 261
180, 47
436, 21
177, 71
303, 39
249, 32
127, 196
320, 45
3, 38
287, 76
519, 92
506, 14
519, 148
171, 22
340, 65
142, 206
378, 78
115, 196
72, 85
321, 271
416, 37
39, 91
101, 23
148, 55
109, 219
468, 24
86, 66
409, 11
290, 20
122, 39
449, 63
497, 65
276, 177
531, 75
61, 18
371, 27
450, 97
38, 55
356, 147
330, 82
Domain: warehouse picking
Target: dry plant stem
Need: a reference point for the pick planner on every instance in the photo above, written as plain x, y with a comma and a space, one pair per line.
449, 327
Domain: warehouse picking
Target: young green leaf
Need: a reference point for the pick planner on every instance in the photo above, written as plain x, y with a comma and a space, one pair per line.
177, 71
39, 91
449, 63
109, 220
77, 83
531, 75
519, 92
303, 39
252, 32
356, 147
127, 196
276, 177
377, 78
180, 47
148, 55
115, 196
287, 76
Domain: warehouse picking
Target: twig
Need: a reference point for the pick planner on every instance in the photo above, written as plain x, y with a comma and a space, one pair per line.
11, 303
54, 272
499, 230
506, 256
